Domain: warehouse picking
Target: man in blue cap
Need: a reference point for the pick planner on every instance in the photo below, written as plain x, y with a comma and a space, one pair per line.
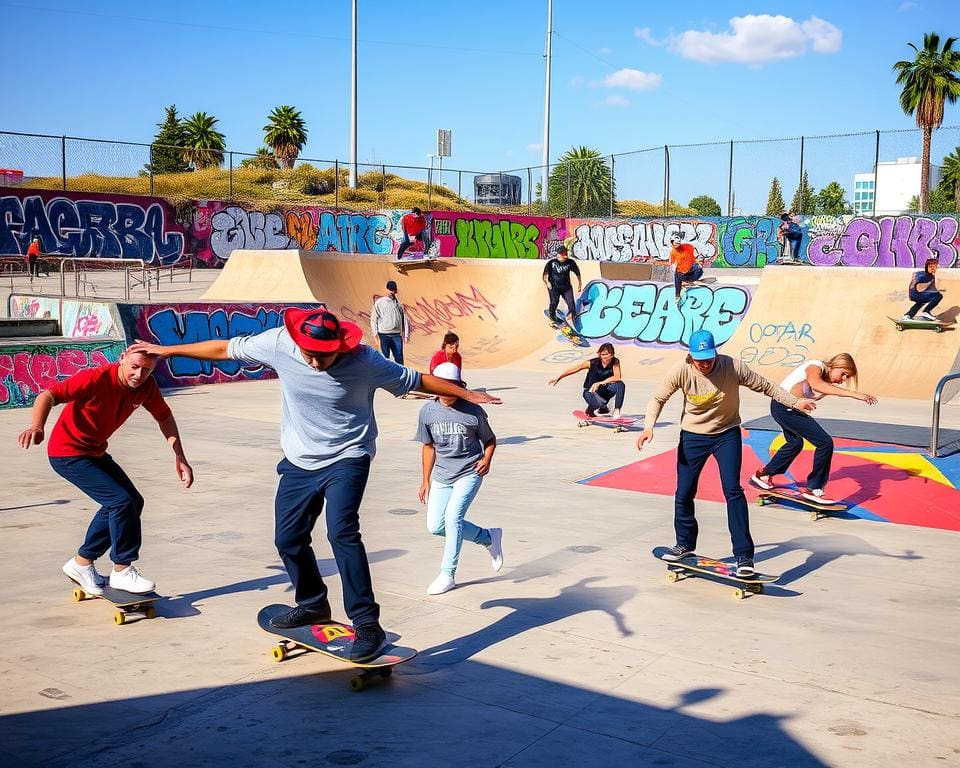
710, 426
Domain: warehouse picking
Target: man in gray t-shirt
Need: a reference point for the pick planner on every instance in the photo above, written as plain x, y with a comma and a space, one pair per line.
328, 434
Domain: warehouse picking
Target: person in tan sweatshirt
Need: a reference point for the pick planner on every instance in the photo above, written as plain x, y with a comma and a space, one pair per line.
710, 426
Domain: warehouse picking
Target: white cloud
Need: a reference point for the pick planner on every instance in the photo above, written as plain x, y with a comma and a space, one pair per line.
616, 101
758, 40
644, 33
631, 79
534, 147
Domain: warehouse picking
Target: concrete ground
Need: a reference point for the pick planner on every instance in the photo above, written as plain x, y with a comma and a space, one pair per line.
578, 653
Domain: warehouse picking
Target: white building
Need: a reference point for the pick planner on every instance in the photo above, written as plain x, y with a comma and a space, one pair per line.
893, 186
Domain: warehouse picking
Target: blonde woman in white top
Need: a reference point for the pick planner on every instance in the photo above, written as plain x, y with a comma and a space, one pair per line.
813, 379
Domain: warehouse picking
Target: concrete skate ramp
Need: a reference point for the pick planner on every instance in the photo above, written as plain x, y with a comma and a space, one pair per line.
494, 305
802, 312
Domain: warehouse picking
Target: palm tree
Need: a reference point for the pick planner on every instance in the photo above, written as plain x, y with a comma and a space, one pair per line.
929, 81
951, 176
592, 185
263, 159
204, 145
286, 133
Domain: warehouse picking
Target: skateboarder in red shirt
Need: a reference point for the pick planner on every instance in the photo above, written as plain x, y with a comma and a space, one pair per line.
413, 226
33, 257
98, 402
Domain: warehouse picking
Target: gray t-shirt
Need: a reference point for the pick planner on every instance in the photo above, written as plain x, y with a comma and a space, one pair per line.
325, 416
458, 433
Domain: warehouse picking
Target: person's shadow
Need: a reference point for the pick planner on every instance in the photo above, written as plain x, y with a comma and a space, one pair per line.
529, 613
823, 551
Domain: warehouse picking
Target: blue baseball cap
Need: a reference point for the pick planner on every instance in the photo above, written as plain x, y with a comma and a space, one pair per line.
702, 346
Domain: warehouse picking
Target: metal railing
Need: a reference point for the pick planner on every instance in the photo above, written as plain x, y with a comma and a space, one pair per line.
935, 427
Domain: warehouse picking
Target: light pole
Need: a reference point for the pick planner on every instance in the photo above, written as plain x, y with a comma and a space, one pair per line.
546, 109
353, 102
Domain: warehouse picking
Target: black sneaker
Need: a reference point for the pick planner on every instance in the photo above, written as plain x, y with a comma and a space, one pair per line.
301, 617
590, 413
367, 642
679, 552
603, 410
745, 566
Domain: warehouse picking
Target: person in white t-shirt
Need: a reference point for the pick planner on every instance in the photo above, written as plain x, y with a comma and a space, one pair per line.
814, 379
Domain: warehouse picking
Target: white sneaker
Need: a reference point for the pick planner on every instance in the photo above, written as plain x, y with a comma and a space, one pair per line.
927, 316
757, 479
817, 496
615, 413
130, 580
496, 548
907, 318
441, 584
85, 575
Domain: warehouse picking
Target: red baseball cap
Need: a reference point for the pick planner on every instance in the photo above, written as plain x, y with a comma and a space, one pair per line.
317, 330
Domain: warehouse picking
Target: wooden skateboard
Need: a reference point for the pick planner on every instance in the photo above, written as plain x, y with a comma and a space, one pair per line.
332, 639
129, 605
934, 325
715, 570
403, 265
619, 425
817, 510
561, 325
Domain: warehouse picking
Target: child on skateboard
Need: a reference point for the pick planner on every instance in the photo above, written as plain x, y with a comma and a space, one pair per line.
328, 434
924, 292
98, 402
683, 259
710, 425
448, 352
602, 383
458, 447
812, 379
556, 276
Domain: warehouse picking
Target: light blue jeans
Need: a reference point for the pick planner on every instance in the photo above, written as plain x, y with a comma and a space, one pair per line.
446, 509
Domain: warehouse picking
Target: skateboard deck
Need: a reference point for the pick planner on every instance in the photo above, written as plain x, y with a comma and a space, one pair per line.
702, 281
715, 569
335, 640
817, 510
129, 605
406, 264
619, 425
560, 324
934, 325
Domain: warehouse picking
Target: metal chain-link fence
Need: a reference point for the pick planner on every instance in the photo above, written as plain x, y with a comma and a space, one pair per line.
869, 173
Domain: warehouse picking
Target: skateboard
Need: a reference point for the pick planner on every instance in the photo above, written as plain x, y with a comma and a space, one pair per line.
129, 605
702, 281
561, 325
619, 425
335, 640
817, 510
406, 264
935, 325
717, 569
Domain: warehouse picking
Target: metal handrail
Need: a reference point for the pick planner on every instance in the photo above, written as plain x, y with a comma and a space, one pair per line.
935, 427
138, 264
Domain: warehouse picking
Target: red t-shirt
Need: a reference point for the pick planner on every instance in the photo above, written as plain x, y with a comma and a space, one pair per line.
33, 250
413, 225
683, 257
98, 403
441, 357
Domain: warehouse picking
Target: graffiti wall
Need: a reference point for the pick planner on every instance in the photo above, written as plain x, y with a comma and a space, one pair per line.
482, 236
646, 313
28, 369
887, 241
78, 319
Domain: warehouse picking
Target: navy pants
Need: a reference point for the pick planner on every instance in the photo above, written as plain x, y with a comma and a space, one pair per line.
797, 426
925, 300
302, 495
117, 523
795, 247
604, 394
692, 455
392, 344
567, 295
679, 278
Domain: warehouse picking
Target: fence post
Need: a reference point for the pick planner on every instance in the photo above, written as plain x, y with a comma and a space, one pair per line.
63, 160
800, 183
730, 183
529, 191
500, 189
569, 186
151, 170
666, 179
430, 188
459, 178
613, 183
336, 184
876, 163
230, 193
383, 187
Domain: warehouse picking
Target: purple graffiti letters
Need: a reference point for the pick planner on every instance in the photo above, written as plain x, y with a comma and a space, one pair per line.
901, 241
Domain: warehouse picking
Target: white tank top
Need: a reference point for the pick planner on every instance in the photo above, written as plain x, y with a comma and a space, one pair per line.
798, 375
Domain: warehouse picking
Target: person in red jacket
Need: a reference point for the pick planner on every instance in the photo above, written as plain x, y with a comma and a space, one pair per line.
98, 402
414, 227
448, 352
683, 259
33, 257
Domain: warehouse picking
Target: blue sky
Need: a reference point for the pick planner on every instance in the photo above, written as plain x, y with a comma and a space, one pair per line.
626, 76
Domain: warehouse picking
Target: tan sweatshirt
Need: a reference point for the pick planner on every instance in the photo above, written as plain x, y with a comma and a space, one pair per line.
711, 403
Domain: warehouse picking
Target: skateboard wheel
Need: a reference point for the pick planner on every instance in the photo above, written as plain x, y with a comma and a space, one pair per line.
814, 516
78, 595
357, 684
761, 501
386, 672
738, 594
899, 327
279, 653
673, 577
757, 589
119, 618
149, 612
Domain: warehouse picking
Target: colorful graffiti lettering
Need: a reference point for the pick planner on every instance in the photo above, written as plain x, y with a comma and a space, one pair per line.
234, 228
436, 314
784, 344
91, 228
646, 313
749, 242
487, 236
26, 371
640, 241
900, 241
354, 233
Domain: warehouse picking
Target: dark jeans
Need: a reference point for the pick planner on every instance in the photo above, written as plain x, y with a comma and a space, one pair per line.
692, 454
117, 522
301, 498
567, 295
391, 344
926, 300
406, 243
33, 266
695, 273
797, 426
794, 247
605, 392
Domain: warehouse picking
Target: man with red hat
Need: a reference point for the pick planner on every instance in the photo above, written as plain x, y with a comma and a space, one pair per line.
328, 434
